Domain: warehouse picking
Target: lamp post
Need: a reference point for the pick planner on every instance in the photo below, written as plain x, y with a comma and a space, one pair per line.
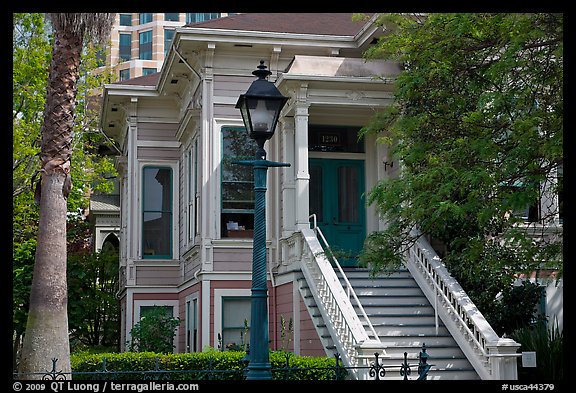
260, 107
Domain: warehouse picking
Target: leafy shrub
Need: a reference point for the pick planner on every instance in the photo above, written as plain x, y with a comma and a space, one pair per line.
547, 342
154, 332
212, 364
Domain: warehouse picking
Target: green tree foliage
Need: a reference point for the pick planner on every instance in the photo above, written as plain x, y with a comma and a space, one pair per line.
93, 310
22, 267
30, 60
154, 332
477, 127
91, 170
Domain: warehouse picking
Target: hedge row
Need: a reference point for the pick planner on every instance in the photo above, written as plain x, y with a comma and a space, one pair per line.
197, 366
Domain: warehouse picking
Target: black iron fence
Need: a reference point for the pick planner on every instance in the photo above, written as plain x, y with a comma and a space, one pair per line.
375, 370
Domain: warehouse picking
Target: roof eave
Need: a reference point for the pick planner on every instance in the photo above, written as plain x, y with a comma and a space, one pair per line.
250, 37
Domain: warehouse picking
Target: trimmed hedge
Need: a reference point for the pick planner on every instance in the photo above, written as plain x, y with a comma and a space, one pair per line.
197, 366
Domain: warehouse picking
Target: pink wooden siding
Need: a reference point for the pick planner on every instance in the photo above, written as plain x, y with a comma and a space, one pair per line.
157, 275
191, 266
310, 344
232, 259
284, 308
194, 289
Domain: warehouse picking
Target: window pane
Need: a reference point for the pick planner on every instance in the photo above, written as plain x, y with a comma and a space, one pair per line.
156, 234
125, 46
157, 189
347, 190
145, 18
200, 17
125, 19
157, 214
168, 35
173, 16
124, 75
147, 71
145, 310
237, 183
237, 195
235, 321
146, 45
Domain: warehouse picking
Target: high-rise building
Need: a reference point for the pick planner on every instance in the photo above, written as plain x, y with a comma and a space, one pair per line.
139, 41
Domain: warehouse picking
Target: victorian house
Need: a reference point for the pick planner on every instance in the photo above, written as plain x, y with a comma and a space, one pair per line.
186, 220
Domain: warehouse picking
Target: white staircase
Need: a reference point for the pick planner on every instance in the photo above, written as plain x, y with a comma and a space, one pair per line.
404, 321
357, 316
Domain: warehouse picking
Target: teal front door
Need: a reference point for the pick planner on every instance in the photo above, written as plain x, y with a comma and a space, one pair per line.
337, 200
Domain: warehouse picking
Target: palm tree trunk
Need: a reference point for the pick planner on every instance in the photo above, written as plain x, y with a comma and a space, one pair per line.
47, 327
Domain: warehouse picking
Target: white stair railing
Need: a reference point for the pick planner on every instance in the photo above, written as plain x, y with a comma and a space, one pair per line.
347, 331
491, 356
349, 289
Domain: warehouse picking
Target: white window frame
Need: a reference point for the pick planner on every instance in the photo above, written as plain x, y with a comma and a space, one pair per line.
192, 193
149, 303
175, 204
190, 299
220, 293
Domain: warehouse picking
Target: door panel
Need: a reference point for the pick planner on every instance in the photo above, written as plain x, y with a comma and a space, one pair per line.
336, 197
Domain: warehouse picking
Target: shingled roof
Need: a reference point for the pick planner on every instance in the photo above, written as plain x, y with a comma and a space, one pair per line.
339, 24
144, 80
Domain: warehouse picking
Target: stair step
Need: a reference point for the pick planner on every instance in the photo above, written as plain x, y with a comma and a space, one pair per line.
403, 319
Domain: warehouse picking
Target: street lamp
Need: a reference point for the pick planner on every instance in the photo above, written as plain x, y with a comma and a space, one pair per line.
260, 107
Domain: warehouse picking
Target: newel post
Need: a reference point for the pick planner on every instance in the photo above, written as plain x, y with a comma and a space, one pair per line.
503, 359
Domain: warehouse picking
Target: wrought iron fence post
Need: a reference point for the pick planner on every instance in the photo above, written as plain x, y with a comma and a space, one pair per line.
377, 370
405, 367
54, 375
338, 368
210, 368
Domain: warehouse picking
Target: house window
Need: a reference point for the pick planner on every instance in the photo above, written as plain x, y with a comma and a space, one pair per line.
145, 310
146, 45
168, 35
157, 212
192, 325
201, 17
147, 71
145, 18
237, 214
529, 211
236, 312
125, 46
193, 195
125, 19
124, 74
101, 57
172, 17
